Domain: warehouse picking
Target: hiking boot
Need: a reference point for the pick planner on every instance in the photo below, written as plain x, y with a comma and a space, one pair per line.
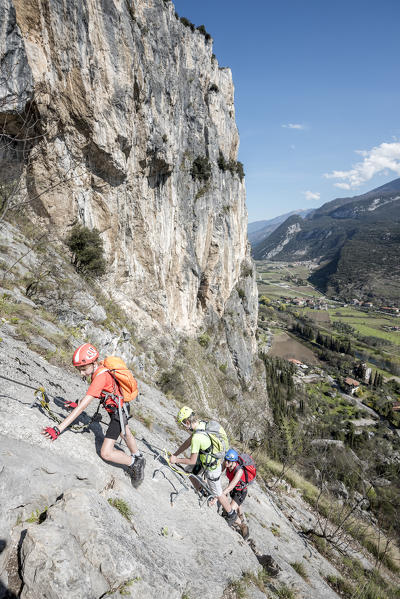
136, 471
244, 529
231, 518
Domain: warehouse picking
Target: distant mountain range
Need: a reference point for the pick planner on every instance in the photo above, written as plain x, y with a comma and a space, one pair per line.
356, 242
259, 231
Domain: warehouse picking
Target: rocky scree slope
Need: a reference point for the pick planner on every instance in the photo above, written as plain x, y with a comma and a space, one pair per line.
127, 111
46, 304
259, 231
62, 536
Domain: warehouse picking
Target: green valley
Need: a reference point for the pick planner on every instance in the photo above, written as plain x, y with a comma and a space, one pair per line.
332, 379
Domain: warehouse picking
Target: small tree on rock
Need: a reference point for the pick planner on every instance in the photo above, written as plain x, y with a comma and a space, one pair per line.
86, 247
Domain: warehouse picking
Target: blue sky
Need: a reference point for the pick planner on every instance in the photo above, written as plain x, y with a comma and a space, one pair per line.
317, 95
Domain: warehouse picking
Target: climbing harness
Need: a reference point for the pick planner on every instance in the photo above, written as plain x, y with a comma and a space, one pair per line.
117, 398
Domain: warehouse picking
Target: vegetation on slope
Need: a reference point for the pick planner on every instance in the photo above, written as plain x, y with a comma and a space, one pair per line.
344, 458
354, 240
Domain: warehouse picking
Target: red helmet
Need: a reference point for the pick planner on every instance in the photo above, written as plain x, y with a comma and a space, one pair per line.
85, 354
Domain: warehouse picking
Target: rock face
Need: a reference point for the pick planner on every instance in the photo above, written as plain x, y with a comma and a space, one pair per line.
125, 98
62, 536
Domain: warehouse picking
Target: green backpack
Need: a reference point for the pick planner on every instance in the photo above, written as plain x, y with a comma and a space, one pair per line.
219, 443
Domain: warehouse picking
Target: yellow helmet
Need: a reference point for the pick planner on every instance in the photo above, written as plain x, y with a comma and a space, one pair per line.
183, 414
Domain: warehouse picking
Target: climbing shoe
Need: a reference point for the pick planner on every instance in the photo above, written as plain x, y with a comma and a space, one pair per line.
230, 518
136, 471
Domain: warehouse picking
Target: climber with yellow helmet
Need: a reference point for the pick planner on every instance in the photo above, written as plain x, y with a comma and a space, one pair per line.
208, 444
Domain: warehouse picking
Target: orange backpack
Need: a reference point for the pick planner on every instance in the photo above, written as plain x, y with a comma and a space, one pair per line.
124, 377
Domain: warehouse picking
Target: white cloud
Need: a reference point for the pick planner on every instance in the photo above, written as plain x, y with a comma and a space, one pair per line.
311, 196
385, 157
294, 126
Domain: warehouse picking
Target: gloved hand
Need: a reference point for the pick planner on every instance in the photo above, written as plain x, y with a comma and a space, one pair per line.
52, 432
70, 404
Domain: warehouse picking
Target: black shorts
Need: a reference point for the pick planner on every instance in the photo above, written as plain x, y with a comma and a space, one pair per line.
114, 428
238, 496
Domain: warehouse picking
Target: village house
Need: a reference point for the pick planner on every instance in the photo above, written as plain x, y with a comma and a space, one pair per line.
396, 406
322, 306
351, 385
298, 363
298, 301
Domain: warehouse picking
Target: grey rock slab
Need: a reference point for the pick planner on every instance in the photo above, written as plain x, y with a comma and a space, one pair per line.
16, 295
69, 553
43, 343
85, 547
275, 535
141, 88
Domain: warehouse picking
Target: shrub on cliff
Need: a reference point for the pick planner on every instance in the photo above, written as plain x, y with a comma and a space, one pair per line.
201, 169
86, 247
222, 164
201, 29
204, 339
240, 170
233, 166
187, 23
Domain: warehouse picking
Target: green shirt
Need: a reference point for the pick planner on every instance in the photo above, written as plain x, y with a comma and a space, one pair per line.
201, 442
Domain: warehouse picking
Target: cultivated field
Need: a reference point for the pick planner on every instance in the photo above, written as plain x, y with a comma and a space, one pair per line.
272, 280
320, 317
284, 346
368, 323
378, 346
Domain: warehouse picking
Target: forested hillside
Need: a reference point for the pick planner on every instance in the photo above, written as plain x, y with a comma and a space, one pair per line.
353, 242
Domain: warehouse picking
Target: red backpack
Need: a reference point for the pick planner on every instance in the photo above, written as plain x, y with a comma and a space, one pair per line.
246, 462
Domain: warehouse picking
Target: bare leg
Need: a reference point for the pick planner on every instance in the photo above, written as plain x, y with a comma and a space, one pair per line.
234, 506
109, 453
195, 483
224, 501
130, 441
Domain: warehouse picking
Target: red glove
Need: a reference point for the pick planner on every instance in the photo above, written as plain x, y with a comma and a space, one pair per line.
54, 432
70, 404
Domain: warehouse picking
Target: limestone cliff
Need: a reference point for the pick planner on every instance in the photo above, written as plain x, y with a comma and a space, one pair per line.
125, 98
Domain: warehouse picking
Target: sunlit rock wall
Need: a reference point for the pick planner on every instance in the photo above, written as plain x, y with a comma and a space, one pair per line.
125, 97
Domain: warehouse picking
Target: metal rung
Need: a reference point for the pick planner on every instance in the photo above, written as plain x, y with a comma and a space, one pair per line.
175, 493
182, 479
